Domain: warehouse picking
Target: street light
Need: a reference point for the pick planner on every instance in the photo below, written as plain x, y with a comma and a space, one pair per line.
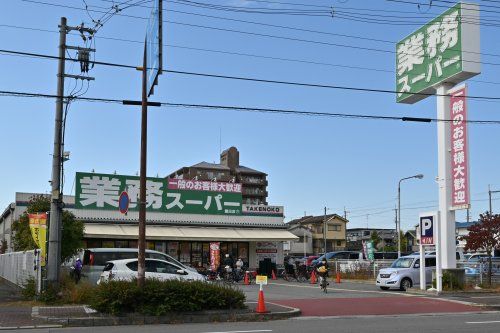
419, 176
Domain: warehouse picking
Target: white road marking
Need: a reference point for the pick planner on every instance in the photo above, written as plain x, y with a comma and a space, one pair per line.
253, 331
483, 322
486, 297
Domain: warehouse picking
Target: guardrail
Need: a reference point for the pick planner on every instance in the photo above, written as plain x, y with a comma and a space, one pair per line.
18, 267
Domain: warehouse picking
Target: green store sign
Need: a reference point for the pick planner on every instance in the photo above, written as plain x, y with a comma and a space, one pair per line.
444, 50
102, 192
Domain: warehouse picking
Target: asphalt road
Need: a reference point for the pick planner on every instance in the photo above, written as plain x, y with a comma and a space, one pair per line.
478, 322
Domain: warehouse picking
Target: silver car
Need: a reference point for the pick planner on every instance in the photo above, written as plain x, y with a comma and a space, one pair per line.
405, 272
126, 270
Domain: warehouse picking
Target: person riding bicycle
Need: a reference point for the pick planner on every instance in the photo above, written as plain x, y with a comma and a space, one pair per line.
322, 270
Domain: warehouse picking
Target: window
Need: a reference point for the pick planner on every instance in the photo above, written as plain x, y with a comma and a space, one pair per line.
334, 227
339, 243
133, 265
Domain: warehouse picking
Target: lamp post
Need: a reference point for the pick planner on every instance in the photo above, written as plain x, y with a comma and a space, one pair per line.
419, 176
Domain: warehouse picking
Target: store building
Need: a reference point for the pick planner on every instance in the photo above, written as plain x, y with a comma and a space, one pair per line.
185, 218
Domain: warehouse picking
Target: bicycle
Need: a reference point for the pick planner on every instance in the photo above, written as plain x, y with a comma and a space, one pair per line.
323, 283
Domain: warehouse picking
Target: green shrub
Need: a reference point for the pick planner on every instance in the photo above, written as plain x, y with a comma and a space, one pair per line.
161, 297
29, 289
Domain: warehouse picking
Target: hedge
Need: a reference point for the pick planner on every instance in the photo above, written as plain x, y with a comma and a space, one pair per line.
161, 297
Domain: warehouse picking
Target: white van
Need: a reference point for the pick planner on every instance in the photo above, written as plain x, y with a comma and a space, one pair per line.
95, 259
405, 272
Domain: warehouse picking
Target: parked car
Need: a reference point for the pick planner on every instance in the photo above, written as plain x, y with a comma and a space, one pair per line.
126, 270
459, 255
405, 272
95, 259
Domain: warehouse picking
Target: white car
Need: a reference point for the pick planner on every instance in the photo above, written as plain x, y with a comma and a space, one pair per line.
126, 270
405, 272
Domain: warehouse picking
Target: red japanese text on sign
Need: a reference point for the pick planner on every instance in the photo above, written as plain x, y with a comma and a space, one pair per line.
459, 150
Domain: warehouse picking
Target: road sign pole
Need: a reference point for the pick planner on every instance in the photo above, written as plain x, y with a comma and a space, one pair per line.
422, 267
447, 216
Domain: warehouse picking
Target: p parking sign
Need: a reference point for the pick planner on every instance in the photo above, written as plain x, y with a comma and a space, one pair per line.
427, 230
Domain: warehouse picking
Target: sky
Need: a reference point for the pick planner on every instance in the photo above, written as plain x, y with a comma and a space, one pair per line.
311, 162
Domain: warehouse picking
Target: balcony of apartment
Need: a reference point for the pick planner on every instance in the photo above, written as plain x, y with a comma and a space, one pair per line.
254, 192
253, 180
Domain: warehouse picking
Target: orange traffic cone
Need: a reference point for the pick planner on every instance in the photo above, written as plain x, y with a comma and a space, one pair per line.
261, 305
313, 277
273, 275
338, 277
247, 280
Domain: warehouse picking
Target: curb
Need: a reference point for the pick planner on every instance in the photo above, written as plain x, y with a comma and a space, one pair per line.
175, 318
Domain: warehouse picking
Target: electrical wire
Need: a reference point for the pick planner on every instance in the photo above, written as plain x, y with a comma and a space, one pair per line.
250, 79
244, 109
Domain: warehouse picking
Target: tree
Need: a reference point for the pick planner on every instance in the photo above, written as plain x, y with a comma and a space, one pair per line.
72, 233
484, 235
375, 238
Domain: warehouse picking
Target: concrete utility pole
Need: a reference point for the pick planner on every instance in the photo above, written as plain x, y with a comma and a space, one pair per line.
324, 231
489, 194
55, 226
55, 223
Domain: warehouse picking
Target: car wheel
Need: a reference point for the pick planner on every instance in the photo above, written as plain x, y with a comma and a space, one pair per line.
384, 288
405, 284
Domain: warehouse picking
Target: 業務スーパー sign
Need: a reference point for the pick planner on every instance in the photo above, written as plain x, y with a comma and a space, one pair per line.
445, 49
102, 191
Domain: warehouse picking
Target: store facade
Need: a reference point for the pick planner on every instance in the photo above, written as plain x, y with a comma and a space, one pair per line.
186, 219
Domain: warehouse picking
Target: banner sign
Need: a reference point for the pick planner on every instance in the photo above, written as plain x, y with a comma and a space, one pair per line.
459, 149
445, 49
427, 230
262, 210
102, 191
214, 256
38, 227
198, 185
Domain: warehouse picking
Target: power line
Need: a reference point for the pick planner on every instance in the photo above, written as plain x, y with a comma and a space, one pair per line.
271, 36
252, 55
250, 79
241, 108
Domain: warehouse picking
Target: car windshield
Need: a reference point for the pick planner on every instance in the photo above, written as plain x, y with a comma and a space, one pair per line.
402, 263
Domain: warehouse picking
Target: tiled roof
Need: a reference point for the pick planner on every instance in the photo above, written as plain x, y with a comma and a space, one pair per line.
206, 165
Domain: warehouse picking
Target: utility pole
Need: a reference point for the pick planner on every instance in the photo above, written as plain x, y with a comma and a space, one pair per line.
489, 194
324, 231
396, 222
55, 222
141, 274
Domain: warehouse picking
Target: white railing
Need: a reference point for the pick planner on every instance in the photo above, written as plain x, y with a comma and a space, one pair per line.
18, 267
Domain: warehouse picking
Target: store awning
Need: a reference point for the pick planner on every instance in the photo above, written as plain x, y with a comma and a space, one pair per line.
157, 232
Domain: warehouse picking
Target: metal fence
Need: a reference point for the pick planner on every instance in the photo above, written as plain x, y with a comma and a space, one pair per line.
356, 269
476, 273
17, 267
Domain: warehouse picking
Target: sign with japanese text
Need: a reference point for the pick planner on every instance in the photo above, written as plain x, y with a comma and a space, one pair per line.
199, 185
427, 230
262, 210
214, 256
261, 279
445, 49
102, 191
38, 227
459, 149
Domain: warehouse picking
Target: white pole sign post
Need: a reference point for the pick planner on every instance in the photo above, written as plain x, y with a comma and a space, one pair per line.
432, 60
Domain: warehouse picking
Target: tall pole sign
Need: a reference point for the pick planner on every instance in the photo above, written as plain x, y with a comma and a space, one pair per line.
432, 60
151, 68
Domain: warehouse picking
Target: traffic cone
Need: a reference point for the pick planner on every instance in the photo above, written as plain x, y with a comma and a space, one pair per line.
261, 305
313, 277
273, 275
338, 277
247, 280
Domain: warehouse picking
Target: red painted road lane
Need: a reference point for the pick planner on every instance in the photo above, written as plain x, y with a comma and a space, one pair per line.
374, 306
